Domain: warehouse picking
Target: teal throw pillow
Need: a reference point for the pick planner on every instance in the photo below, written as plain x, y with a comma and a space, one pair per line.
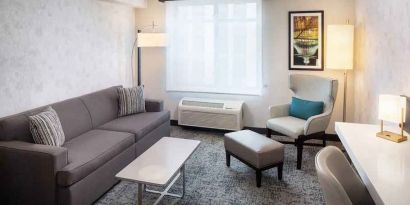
304, 109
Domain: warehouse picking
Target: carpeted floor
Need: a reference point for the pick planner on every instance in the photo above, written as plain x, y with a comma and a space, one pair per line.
210, 181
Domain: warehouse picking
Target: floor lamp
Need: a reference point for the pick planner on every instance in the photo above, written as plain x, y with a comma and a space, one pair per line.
146, 40
339, 55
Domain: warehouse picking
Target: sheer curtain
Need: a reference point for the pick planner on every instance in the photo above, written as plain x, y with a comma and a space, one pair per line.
214, 46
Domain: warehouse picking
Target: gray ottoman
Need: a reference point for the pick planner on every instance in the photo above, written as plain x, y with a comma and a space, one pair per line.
255, 150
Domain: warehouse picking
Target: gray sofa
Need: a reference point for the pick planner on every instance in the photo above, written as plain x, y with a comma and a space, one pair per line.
98, 145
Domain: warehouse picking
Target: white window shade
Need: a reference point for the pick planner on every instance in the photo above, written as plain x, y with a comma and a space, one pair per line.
214, 46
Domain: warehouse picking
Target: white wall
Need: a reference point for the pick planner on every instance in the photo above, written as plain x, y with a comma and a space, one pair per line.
275, 58
52, 50
382, 54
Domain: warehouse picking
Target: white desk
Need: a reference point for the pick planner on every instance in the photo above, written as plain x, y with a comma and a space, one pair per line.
384, 166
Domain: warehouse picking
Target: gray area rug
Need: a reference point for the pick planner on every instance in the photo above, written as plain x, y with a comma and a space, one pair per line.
210, 181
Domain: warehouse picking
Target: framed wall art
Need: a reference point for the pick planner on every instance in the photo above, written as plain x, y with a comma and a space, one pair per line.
306, 40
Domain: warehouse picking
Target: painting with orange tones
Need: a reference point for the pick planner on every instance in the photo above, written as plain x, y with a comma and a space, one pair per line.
306, 40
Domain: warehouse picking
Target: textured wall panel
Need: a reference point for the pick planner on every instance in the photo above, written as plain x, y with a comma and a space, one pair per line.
382, 54
51, 50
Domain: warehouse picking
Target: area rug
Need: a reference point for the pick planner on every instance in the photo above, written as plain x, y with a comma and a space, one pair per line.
210, 181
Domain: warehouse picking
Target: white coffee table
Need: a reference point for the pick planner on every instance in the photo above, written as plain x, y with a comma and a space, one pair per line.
161, 165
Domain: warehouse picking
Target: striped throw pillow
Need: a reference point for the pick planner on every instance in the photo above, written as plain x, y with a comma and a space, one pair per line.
131, 101
46, 128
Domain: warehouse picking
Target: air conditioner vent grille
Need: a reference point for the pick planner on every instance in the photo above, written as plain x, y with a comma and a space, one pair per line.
202, 104
210, 120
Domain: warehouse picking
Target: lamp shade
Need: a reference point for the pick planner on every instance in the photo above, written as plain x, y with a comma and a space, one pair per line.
151, 40
392, 107
340, 39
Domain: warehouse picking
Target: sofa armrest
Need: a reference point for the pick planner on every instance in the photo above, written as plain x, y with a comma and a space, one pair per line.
28, 172
317, 123
152, 105
279, 110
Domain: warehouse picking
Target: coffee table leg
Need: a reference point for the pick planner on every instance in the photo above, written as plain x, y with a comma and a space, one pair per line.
183, 180
139, 197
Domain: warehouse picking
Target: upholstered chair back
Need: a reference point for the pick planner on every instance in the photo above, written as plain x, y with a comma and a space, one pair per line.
314, 88
339, 182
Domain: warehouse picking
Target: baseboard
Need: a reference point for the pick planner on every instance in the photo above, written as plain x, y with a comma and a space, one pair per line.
255, 129
260, 130
174, 122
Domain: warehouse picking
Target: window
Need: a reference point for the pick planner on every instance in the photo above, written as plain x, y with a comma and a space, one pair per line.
214, 46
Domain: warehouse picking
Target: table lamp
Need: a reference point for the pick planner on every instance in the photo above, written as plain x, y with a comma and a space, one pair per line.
392, 108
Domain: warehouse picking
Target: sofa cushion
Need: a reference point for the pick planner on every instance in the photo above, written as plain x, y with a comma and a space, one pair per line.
138, 124
74, 117
89, 151
102, 105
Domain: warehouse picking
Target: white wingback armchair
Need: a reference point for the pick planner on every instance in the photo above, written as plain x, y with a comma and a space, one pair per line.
307, 87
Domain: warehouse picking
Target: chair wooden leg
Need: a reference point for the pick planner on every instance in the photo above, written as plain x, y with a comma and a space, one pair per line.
324, 140
268, 133
228, 159
258, 178
280, 171
299, 153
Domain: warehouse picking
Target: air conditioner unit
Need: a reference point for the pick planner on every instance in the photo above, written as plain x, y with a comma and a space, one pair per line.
208, 113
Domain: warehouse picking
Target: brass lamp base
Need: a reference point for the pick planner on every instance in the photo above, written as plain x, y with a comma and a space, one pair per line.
391, 136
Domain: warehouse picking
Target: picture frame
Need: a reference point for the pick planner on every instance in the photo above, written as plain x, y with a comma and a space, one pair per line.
306, 40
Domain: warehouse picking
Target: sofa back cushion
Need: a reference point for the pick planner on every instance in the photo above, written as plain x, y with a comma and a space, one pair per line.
77, 116
73, 114
74, 117
15, 127
102, 105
